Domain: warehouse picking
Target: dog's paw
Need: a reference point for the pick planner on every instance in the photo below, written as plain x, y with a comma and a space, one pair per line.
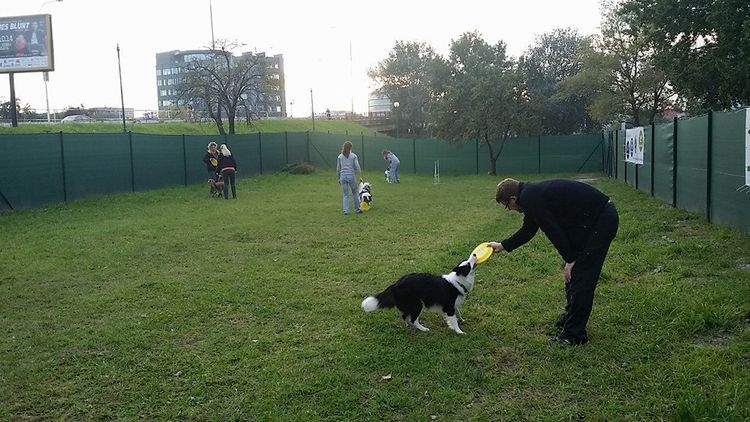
459, 332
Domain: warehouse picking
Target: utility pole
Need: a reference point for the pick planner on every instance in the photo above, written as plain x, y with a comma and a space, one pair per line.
122, 98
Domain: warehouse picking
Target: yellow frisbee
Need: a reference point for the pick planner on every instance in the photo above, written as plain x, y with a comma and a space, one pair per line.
364, 206
483, 252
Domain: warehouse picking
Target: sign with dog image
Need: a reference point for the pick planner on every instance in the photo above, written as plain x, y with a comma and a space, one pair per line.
635, 144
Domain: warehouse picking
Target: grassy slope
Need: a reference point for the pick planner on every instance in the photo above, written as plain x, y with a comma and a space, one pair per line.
281, 125
170, 305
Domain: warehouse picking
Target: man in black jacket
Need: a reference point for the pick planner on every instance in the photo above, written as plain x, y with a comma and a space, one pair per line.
581, 222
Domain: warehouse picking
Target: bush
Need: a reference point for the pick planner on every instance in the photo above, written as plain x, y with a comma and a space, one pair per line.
299, 167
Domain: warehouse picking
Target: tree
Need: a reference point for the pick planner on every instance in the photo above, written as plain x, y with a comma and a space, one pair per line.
555, 56
224, 83
483, 98
701, 45
618, 76
405, 77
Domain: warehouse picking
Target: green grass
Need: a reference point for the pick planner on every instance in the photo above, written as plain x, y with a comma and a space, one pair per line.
168, 305
206, 128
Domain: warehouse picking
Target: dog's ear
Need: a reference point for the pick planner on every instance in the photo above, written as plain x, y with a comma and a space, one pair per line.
463, 269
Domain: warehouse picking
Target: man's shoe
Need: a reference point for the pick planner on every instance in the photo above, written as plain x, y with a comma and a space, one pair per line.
561, 340
560, 321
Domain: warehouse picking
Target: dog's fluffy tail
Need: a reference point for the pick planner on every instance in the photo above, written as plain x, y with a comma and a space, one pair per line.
381, 300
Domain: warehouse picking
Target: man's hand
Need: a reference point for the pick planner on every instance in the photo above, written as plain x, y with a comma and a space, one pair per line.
497, 246
567, 270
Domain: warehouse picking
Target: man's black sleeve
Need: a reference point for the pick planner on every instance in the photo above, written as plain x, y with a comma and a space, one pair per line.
523, 235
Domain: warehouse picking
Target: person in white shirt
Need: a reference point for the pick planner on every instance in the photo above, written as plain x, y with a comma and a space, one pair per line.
347, 166
393, 163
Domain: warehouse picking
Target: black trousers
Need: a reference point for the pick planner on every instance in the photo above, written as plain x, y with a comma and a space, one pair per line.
585, 275
229, 179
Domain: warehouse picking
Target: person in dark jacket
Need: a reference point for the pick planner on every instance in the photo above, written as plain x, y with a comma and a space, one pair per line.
212, 160
227, 167
581, 223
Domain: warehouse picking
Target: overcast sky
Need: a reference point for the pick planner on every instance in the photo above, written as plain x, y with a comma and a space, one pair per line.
314, 37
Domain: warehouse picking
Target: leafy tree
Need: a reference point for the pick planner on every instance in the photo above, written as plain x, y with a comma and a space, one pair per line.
224, 83
406, 76
619, 77
483, 97
703, 46
555, 56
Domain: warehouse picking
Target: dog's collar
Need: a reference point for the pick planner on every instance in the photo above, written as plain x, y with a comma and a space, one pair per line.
466, 291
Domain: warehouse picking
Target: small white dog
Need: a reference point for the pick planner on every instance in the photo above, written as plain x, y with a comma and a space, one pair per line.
387, 176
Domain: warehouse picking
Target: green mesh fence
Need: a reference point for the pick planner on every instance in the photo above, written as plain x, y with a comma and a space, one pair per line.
620, 155
698, 165
692, 138
72, 166
663, 166
96, 164
728, 206
25, 187
158, 161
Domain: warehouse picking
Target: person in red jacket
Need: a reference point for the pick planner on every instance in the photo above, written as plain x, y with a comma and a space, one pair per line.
581, 223
227, 167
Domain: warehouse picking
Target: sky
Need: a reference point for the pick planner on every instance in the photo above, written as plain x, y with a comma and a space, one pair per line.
328, 46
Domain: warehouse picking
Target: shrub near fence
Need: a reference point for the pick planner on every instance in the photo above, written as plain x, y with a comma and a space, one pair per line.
55, 167
695, 164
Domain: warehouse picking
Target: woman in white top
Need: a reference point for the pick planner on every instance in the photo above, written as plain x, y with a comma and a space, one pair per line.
347, 166
393, 163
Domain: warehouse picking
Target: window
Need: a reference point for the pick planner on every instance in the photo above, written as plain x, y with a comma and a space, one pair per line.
167, 72
170, 81
163, 93
158, 82
158, 72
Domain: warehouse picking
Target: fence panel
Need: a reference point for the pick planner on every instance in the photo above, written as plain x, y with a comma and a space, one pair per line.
644, 171
663, 161
158, 161
620, 155
24, 187
325, 147
97, 164
373, 154
571, 154
519, 155
692, 142
196, 147
273, 151
728, 206
454, 159
246, 151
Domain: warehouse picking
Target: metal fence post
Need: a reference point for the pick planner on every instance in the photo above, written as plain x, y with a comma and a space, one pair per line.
307, 146
709, 166
260, 154
477, 148
414, 153
286, 147
653, 158
539, 154
62, 160
132, 167
674, 162
184, 158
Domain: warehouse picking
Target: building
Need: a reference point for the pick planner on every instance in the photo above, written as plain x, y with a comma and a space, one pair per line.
378, 106
171, 64
109, 113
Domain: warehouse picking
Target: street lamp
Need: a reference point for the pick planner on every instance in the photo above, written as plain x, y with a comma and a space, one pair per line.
395, 106
45, 74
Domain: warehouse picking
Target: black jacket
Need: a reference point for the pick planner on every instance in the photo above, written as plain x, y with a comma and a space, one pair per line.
565, 210
226, 162
207, 159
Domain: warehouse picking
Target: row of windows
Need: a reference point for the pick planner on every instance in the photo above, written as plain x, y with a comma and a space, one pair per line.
164, 82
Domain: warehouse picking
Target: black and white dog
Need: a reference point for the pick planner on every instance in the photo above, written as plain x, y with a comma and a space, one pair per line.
365, 192
442, 293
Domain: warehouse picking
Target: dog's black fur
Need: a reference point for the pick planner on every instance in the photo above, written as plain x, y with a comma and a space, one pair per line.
414, 291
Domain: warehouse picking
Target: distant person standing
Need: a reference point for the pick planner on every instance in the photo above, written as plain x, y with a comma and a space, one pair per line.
211, 158
347, 166
227, 168
393, 162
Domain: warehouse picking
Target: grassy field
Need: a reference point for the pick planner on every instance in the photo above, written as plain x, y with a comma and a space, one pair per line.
169, 305
206, 128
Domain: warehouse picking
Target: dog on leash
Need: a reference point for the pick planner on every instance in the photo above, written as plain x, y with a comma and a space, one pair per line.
412, 292
365, 192
217, 186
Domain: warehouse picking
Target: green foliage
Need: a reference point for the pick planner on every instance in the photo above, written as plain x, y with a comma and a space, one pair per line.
701, 46
270, 125
484, 98
554, 57
407, 76
170, 305
619, 77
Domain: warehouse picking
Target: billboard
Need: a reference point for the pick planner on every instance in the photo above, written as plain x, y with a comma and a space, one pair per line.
26, 44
